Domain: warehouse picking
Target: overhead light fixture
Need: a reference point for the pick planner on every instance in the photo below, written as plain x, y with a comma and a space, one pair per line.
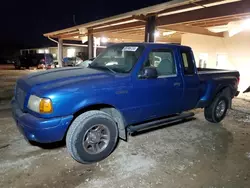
233, 27
40, 51
246, 24
156, 33
218, 29
104, 39
238, 26
84, 39
168, 33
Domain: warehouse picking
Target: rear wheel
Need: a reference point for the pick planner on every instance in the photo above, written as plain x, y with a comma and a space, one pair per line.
216, 111
92, 136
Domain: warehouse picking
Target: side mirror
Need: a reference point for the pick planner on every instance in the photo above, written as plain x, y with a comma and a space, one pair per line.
149, 73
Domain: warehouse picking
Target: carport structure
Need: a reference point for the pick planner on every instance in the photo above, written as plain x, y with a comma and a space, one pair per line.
165, 22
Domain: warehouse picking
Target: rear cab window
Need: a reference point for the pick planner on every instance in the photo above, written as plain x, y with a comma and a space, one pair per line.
163, 61
187, 62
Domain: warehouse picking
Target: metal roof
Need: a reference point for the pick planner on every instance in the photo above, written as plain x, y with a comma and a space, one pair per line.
143, 11
181, 16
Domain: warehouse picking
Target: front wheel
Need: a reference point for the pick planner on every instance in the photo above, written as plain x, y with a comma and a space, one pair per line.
92, 137
216, 111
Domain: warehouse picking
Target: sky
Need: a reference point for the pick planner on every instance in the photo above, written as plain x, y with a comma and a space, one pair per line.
23, 22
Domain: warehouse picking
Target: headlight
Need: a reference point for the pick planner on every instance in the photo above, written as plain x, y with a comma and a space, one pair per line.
40, 105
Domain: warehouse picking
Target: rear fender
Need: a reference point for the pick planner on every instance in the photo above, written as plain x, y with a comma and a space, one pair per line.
226, 91
212, 92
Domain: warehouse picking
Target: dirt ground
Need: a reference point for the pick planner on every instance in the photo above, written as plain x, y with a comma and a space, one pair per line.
8, 77
189, 154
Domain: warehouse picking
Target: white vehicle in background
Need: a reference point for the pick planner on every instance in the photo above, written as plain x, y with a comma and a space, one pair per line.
84, 63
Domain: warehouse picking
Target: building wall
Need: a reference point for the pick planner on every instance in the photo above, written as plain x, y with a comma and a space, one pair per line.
83, 50
223, 53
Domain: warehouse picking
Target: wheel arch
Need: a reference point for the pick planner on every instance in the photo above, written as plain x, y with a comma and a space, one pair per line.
112, 111
225, 90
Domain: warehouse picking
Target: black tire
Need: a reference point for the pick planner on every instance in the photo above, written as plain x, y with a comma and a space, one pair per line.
78, 130
210, 111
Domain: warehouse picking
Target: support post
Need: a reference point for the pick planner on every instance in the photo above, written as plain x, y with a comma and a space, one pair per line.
95, 46
60, 52
90, 44
150, 29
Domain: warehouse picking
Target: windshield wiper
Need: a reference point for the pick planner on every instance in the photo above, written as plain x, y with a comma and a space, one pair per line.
102, 67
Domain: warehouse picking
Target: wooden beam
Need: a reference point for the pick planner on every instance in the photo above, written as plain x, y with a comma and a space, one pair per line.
206, 13
119, 27
217, 22
229, 17
112, 22
120, 33
169, 40
141, 17
200, 4
192, 29
131, 32
125, 30
71, 35
125, 37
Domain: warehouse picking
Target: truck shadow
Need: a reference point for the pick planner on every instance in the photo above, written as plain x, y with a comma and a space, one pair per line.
49, 146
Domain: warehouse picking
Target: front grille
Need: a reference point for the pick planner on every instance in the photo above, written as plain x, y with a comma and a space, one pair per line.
20, 97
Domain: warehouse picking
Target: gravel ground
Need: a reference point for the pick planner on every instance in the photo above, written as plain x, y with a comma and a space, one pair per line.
189, 154
8, 77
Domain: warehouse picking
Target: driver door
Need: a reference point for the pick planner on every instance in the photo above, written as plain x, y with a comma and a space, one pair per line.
159, 96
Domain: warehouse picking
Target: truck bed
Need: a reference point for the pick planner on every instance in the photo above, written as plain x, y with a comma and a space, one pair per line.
211, 80
217, 74
215, 71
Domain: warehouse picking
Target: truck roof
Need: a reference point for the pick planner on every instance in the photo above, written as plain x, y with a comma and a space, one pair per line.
146, 44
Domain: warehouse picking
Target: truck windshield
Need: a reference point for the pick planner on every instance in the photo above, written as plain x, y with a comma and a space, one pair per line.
119, 58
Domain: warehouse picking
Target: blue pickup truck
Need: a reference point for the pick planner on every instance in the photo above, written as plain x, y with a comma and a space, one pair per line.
127, 88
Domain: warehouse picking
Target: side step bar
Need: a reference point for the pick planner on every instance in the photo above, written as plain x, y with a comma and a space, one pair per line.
159, 122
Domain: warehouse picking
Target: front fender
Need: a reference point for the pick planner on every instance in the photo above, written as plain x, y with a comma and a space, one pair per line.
91, 102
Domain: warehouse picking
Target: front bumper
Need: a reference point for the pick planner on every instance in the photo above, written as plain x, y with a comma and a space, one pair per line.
38, 129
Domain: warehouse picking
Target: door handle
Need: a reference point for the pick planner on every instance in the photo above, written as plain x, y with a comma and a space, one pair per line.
177, 84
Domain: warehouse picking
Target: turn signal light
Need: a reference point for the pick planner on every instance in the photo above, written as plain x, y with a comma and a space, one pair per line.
45, 106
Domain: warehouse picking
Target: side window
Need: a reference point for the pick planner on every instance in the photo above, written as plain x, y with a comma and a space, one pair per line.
188, 63
163, 61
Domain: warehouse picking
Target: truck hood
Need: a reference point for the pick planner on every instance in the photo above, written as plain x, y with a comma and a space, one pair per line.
60, 77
